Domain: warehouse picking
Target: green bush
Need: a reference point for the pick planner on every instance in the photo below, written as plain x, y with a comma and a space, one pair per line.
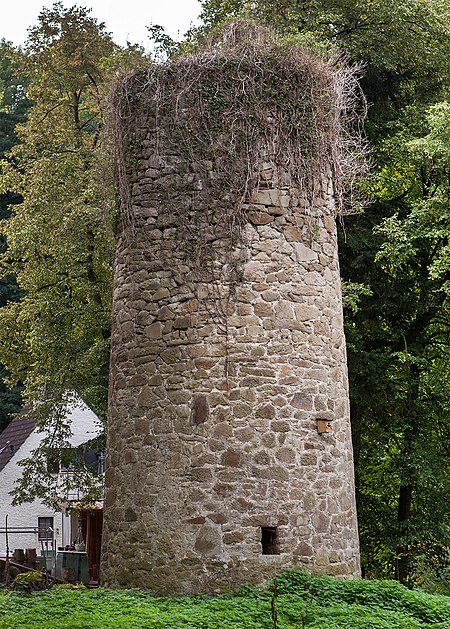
436, 581
303, 602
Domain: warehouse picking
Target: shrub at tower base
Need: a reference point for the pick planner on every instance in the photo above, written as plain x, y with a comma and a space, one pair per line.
229, 447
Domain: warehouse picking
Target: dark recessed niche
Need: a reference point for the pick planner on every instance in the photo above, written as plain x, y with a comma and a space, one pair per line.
269, 540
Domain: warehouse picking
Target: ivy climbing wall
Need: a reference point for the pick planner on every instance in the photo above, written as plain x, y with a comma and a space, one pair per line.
229, 447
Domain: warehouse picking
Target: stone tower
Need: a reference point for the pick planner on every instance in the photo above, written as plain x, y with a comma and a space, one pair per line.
229, 447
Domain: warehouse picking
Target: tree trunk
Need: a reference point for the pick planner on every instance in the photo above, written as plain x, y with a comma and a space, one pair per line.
404, 513
407, 486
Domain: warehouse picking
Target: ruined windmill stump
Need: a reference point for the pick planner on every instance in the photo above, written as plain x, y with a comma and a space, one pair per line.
229, 447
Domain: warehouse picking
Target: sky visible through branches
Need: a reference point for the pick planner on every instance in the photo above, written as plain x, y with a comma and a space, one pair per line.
127, 21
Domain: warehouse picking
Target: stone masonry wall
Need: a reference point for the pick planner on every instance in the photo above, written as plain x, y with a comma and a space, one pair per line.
216, 472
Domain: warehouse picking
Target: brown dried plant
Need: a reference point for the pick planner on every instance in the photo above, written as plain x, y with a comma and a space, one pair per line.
247, 98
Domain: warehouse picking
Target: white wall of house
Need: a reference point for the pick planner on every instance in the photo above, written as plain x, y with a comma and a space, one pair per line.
84, 425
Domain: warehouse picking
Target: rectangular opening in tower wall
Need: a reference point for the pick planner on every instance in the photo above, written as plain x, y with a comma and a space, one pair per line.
269, 540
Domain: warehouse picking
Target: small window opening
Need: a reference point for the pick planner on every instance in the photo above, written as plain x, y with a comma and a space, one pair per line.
269, 541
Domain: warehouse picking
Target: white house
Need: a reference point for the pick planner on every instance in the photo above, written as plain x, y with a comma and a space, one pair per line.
36, 522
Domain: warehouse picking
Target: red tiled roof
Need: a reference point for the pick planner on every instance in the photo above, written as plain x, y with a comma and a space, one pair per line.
13, 437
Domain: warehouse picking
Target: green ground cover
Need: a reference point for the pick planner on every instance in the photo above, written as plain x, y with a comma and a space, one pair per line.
303, 601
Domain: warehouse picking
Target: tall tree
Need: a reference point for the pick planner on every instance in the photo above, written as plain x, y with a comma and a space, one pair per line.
58, 243
405, 326
403, 43
55, 338
13, 107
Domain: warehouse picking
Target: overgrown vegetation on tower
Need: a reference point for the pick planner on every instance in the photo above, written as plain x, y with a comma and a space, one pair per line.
245, 98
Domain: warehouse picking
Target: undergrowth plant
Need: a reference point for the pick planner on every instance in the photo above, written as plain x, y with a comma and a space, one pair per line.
303, 601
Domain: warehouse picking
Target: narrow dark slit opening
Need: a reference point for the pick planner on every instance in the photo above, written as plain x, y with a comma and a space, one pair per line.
269, 541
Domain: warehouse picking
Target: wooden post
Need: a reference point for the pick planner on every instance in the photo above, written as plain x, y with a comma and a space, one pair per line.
7, 572
274, 603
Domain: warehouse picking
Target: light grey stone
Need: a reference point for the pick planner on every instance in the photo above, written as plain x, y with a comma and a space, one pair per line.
304, 253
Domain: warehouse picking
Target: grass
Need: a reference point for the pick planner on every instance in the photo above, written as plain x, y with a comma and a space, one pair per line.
303, 602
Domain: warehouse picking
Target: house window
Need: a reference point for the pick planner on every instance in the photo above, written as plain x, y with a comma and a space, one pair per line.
64, 459
45, 529
94, 460
71, 459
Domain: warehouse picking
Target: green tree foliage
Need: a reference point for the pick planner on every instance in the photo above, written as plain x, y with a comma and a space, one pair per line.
13, 100
394, 260
404, 43
13, 107
403, 465
55, 339
59, 241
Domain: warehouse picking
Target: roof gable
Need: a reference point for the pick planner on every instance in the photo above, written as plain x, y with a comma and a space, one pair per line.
14, 435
